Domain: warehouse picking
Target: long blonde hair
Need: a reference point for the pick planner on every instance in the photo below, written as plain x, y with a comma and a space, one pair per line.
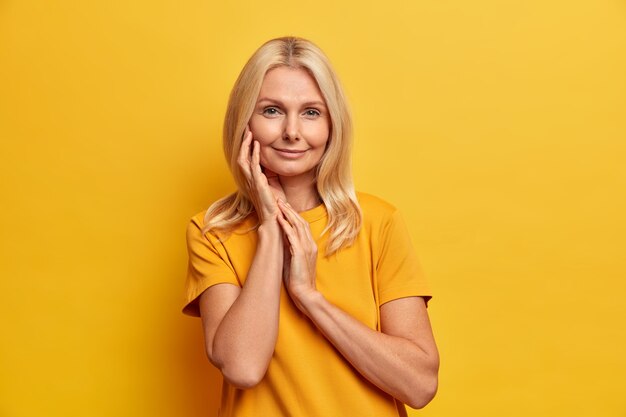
334, 179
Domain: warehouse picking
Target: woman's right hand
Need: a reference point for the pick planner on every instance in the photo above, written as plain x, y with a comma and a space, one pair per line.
264, 190
240, 333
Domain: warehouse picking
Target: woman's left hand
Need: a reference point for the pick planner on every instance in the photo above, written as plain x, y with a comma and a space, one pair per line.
401, 359
301, 258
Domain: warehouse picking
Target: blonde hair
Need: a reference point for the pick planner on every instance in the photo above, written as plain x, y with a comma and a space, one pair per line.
334, 179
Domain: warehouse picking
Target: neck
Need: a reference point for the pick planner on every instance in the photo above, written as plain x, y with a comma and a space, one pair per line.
300, 194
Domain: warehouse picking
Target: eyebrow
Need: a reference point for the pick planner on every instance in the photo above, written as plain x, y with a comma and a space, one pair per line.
307, 104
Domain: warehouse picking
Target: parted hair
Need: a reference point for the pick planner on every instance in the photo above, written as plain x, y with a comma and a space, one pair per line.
333, 173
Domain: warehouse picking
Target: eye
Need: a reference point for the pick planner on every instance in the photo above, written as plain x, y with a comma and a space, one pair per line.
312, 113
270, 111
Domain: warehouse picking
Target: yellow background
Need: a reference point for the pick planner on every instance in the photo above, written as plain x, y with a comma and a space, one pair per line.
498, 128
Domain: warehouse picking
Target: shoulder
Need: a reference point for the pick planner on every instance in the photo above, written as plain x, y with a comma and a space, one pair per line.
379, 216
198, 219
375, 207
196, 224
196, 227
196, 235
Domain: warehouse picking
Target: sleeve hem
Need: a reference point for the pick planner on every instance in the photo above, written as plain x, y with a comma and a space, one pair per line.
403, 292
191, 307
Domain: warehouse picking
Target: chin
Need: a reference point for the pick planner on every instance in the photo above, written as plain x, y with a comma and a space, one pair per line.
287, 171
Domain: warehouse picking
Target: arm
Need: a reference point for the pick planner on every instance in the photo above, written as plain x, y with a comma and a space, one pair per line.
402, 360
241, 324
240, 332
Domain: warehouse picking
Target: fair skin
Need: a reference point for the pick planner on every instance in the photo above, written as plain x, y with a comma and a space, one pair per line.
287, 136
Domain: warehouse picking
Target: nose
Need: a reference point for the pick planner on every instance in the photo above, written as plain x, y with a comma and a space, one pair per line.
292, 127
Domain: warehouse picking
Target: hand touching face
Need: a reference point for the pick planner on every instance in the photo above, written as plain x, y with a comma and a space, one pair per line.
264, 188
291, 123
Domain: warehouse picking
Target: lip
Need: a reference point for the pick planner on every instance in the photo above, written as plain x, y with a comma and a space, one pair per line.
290, 153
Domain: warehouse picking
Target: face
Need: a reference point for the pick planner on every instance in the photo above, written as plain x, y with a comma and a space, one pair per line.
291, 123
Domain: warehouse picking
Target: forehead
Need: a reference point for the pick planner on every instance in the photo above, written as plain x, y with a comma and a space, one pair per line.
284, 83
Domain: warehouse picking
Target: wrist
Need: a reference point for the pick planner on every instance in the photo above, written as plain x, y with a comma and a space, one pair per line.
308, 301
269, 229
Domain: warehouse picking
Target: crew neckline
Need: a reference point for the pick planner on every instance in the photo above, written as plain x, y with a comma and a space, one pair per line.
314, 214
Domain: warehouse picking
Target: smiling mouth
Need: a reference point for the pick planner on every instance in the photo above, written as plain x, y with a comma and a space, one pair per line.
290, 150
290, 153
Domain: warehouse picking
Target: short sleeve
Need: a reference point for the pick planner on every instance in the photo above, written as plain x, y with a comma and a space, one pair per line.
208, 265
399, 273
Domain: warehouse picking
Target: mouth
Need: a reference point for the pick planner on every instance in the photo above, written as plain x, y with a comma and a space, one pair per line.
290, 153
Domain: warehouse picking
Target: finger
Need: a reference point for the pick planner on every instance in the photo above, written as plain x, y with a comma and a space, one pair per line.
294, 218
289, 232
287, 212
245, 144
255, 163
256, 156
301, 227
244, 154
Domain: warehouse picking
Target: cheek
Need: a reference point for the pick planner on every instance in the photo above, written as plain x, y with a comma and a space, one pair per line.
264, 153
264, 130
319, 137
318, 133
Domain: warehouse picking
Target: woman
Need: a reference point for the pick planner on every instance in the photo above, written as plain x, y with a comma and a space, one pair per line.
311, 298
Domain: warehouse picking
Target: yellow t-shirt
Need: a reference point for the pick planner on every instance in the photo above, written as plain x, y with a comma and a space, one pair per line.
306, 375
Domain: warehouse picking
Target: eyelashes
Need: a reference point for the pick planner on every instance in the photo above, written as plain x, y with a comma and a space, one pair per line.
270, 111
273, 111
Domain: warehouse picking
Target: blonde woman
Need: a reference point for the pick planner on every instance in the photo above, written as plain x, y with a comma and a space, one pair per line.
311, 297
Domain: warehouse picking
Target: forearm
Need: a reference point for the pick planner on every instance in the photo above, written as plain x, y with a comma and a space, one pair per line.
396, 365
245, 339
